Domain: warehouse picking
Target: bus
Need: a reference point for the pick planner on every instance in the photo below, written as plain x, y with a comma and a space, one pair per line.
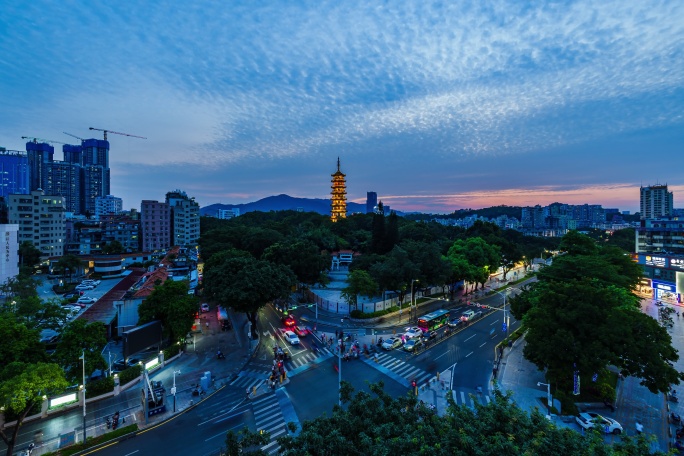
433, 320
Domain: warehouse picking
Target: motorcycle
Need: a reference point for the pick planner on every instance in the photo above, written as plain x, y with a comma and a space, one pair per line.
672, 398
109, 423
115, 420
380, 341
220, 355
675, 418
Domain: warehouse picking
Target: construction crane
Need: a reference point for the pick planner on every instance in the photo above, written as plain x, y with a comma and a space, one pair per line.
116, 133
73, 136
36, 140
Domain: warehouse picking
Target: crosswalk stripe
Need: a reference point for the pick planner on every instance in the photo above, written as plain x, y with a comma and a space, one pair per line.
408, 371
264, 410
423, 377
275, 419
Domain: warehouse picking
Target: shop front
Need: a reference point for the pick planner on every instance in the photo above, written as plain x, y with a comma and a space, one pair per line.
666, 292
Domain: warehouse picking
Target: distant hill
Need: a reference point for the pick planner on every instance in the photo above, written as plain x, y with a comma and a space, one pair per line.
282, 203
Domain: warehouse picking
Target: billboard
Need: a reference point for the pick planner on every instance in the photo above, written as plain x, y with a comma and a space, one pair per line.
679, 281
142, 337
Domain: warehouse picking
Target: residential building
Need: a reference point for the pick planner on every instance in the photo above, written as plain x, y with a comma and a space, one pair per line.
108, 205
655, 202
64, 179
14, 172
123, 229
41, 220
371, 202
338, 202
185, 218
9, 264
155, 225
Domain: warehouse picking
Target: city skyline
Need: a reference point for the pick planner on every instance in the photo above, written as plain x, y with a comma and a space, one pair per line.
435, 107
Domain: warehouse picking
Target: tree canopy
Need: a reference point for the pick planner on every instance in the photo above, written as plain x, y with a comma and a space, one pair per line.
171, 304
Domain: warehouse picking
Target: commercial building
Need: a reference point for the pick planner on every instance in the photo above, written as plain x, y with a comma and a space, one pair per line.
14, 172
41, 220
371, 202
105, 205
655, 202
9, 264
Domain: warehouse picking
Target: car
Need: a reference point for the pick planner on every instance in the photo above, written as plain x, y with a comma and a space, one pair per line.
391, 343
413, 344
455, 322
588, 420
289, 321
84, 286
205, 307
119, 365
91, 282
469, 315
86, 300
72, 309
291, 337
413, 332
429, 336
76, 294
301, 331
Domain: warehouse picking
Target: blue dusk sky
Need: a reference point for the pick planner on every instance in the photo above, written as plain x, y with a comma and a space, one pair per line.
435, 106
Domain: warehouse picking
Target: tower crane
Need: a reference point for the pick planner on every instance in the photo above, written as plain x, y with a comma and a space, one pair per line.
35, 140
73, 136
116, 133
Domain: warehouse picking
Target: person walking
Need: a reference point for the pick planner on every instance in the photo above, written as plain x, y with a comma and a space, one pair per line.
639, 427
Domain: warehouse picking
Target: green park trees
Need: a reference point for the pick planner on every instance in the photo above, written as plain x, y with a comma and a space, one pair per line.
582, 316
78, 338
171, 304
359, 283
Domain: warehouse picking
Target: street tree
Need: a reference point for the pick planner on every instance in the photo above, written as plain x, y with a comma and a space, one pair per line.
377, 424
67, 266
170, 303
396, 272
483, 257
29, 255
359, 283
246, 442
77, 338
247, 284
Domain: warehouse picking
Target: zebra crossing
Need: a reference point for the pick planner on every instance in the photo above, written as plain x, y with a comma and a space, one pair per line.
268, 416
470, 398
248, 378
400, 370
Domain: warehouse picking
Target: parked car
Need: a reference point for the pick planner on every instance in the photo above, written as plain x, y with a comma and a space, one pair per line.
84, 286
75, 294
469, 315
391, 343
291, 337
413, 332
413, 344
86, 300
301, 331
91, 282
589, 420
205, 307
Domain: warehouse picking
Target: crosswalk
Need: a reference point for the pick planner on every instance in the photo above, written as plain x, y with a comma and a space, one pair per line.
470, 398
269, 417
249, 378
400, 370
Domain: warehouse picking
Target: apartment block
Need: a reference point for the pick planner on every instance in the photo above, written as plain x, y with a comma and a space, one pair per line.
41, 220
155, 225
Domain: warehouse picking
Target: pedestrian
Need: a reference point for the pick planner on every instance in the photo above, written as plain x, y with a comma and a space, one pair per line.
639, 427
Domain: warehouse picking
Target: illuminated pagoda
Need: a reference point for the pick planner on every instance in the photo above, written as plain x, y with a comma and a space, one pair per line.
339, 195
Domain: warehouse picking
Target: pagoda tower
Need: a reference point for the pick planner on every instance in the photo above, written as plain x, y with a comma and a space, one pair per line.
339, 195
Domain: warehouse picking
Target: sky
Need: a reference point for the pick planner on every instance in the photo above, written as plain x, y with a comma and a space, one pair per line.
436, 106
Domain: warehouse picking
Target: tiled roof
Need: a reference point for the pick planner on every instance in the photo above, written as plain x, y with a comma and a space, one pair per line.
159, 275
103, 310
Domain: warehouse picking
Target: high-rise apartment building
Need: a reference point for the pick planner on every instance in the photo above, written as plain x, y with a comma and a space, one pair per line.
655, 202
108, 205
9, 263
41, 221
225, 214
338, 208
185, 218
155, 226
64, 179
14, 172
40, 155
371, 202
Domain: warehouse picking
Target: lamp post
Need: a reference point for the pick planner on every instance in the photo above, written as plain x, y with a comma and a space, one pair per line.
173, 389
549, 398
339, 362
505, 319
412, 298
84, 398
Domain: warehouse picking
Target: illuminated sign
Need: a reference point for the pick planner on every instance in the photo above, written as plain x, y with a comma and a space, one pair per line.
57, 401
664, 287
677, 263
151, 364
646, 282
659, 262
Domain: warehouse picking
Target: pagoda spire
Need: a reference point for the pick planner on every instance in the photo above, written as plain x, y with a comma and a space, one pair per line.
338, 199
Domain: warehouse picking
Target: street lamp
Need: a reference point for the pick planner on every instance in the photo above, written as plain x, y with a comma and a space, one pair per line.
506, 319
549, 399
339, 362
412, 297
84, 398
173, 389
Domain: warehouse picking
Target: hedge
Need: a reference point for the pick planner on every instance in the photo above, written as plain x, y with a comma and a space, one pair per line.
101, 386
171, 351
129, 374
356, 313
93, 441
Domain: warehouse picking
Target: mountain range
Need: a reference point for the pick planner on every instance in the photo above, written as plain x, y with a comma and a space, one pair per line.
282, 203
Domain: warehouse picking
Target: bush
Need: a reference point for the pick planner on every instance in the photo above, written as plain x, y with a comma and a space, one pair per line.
93, 441
171, 351
101, 386
356, 313
130, 374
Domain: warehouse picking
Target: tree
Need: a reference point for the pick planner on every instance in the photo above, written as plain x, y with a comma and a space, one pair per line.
482, 257
246, 284
68, 265
170, 304
377, 424
582, 316
302, 257
112, 247
395, 272
246, 442
29, 255
391, 232
25, 342
378, 231
21, 387
359, 283
80, 335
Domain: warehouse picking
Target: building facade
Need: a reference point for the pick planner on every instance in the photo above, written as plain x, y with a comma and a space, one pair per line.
41, 220
371, 202
225, 214
185, 218
105, 205
338, 203
155, 225
655, 202
14, 172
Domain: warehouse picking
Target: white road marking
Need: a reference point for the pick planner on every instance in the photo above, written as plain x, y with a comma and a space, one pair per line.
469, 354
469, 338
442, 354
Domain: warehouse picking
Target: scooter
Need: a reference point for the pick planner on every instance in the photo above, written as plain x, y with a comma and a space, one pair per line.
220, 355
672, 397
675, 418
380, 341
109, 423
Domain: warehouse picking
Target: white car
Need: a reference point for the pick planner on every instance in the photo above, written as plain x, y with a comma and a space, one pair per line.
91, 282
391, 343
413, 332
86, 300
471, 315
589, 420
205, 307
84, 286
291, 337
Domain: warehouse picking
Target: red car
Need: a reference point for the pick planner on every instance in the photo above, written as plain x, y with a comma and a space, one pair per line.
301, 332
289, 321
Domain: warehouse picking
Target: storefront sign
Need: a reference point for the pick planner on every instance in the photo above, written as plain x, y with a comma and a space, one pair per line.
664, 287
677, 263
659, 262
645, 282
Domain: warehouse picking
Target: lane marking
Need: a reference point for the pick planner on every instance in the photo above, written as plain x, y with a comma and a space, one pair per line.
469, 354
223, 434
129, 454
442, 354
469, 338
483, 344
